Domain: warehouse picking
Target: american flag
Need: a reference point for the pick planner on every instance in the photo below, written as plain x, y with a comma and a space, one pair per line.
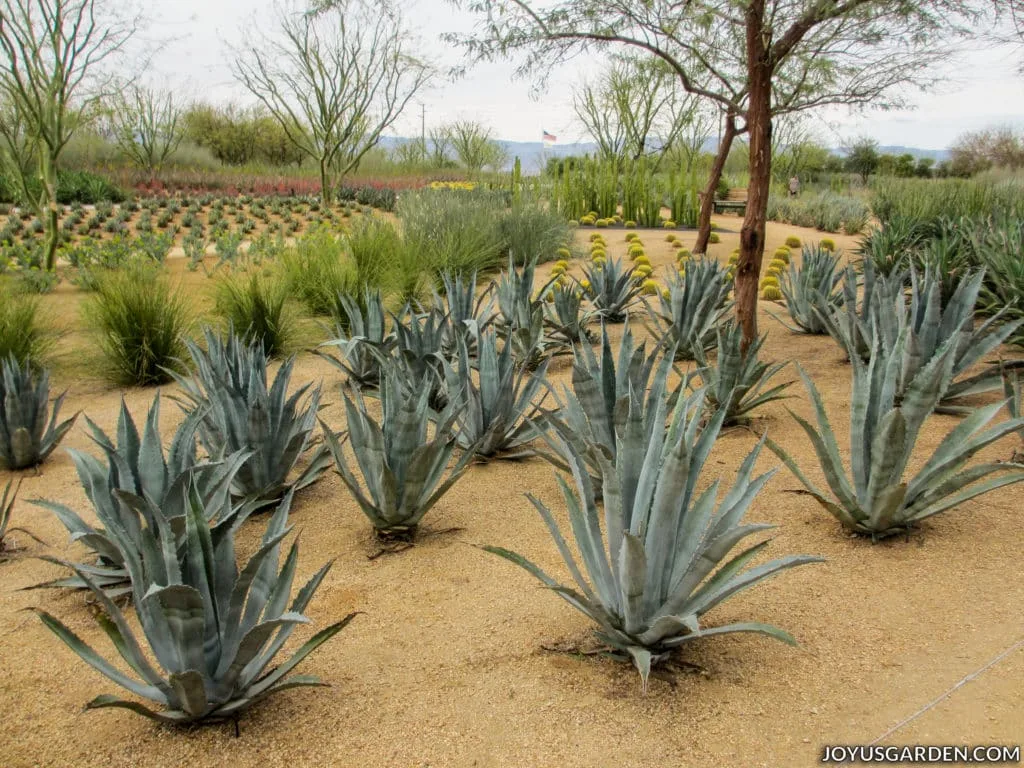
548, 138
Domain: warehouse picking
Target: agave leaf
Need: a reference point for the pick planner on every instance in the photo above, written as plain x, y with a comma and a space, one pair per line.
272, 680
764, 629
167, 717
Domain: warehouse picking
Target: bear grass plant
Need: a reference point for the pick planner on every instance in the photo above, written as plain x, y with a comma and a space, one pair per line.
208, 632
22, 331
257, 308
452, 231
877, 498
240, 409
403, 468
140, 322
658, 556
29, 430
317, 270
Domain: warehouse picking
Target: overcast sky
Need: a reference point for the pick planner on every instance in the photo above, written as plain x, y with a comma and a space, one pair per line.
981, 89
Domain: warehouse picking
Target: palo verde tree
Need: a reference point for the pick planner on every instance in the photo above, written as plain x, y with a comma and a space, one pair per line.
795, 148
17, 149
755, 59
335, 78
146, 124
55, 73
635, 108
474, 146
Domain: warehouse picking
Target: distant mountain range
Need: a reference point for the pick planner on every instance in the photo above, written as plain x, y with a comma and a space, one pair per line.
533, 154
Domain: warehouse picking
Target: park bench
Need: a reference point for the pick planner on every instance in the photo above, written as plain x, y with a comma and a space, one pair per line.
736, 201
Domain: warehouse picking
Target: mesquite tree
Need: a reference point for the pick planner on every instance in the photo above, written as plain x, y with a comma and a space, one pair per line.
754, 58
55, 55
635, 108
335, 78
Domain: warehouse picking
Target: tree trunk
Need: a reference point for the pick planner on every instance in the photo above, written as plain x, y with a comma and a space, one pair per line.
759, 126
325, 187
707, 203
51, 215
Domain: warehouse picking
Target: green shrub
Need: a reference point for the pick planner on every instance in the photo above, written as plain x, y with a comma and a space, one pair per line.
534, 232
140, 321
454, 232
316, 271
22, 332
927, 200
374, 246
257, 308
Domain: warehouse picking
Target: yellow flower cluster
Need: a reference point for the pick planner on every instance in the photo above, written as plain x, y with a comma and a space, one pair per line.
464, 185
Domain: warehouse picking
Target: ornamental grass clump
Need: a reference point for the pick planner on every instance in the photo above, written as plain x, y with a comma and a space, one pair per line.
140, 323
22, 332
257, 307
661, 559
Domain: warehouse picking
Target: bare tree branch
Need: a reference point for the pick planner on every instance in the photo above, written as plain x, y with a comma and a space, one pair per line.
58, 52
335, 79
